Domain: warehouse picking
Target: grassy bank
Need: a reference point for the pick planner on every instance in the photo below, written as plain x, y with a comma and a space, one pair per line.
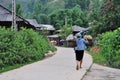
18, 48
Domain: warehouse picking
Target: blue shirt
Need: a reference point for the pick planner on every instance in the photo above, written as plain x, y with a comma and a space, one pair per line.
81, 44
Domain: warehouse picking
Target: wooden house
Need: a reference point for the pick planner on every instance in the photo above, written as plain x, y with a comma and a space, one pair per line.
47, 28
70, 38
56, 38
6, 19
34, 23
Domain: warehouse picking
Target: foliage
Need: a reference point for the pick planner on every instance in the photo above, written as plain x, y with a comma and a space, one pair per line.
43, 18
30, 6
54, 12
98, 58
21, 47
84, 4
110, 47
53, 6
95, 5
79, 17
74, 16
111, 15
18, 9
37, 13
65, 31
105, 18
57, 18
95, 18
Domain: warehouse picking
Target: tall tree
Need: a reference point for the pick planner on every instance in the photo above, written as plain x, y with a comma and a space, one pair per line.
38, 7
107, 18
54, 5
111, 14
96, 4
74, 16
43, 19
79, 17
65, 31
38, 13
30, 6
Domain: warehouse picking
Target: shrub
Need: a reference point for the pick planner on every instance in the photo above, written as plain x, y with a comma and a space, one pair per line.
20, 47
110, 47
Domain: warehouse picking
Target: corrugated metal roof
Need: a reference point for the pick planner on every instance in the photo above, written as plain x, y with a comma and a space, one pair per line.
33, 22
78, 28
47, 27
3, 10
8, 17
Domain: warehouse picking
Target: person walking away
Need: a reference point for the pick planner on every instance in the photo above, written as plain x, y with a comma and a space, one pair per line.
79, 50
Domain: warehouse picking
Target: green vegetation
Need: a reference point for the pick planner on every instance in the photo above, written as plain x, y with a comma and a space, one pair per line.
105, 18
54, 12
21, 47
18, 9
98, 58
65, 31
110, 47
107, 51
74, 16
104, 21
101, 15
84, 4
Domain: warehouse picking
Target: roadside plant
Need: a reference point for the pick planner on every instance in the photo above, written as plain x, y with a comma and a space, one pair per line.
109, 43
22, 47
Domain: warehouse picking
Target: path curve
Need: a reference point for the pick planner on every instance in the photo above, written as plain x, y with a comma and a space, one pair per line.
98, 72
61, 66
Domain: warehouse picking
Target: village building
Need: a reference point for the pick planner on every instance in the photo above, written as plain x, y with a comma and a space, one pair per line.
47, 28
77, 29
70, 38
6, 19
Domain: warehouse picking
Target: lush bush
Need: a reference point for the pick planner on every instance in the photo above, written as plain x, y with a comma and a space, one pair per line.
110, 47
20, 47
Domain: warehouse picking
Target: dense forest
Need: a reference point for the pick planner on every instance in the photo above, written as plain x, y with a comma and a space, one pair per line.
84, 13
53, 12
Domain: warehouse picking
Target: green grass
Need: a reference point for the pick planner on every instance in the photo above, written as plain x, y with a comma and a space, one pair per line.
16, 66
8, 68
98, 58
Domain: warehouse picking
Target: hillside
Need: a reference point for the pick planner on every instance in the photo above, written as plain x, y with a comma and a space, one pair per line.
26, 4
22, 2
7, 3
51, 11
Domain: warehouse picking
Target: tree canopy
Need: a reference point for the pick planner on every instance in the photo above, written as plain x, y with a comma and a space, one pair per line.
105, 18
